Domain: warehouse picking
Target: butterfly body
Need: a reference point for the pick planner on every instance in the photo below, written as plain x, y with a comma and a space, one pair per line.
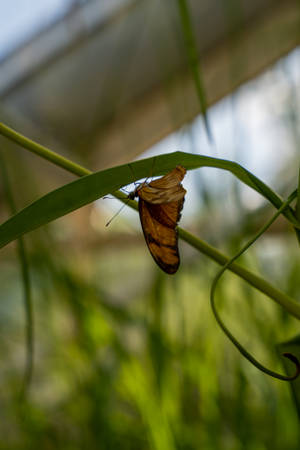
160, 205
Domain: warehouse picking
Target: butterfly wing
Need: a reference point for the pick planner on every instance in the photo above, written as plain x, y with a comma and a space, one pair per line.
165, 189
171, 179
159, 223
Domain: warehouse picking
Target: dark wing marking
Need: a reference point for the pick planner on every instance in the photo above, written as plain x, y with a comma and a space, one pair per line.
159, 226
161, 196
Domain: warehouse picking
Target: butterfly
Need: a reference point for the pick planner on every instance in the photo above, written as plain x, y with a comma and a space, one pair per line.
160, 205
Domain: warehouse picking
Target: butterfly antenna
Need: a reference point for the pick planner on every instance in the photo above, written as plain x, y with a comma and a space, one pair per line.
118, 212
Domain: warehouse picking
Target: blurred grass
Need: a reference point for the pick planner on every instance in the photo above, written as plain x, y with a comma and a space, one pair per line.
193, 59
27, 290
149, 371
129, 358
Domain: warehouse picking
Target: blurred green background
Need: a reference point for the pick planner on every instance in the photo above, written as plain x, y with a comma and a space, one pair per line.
125, 356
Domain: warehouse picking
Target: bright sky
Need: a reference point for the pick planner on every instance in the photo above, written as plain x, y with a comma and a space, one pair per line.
20, 19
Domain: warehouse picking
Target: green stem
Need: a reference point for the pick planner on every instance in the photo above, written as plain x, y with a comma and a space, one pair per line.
235, 342
257, 282
254, 280
42, 151
24, 267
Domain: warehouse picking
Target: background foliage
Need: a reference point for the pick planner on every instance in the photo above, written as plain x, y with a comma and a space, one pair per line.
128, 357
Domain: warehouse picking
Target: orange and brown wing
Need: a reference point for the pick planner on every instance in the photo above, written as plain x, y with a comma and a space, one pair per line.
165, 189
169, 180
159, 223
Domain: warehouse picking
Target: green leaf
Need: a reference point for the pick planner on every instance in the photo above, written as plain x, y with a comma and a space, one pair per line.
91, 187
27, 291
191, 48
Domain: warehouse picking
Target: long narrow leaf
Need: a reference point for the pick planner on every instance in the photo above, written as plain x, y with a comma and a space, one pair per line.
26, 285
191, 48
91, 187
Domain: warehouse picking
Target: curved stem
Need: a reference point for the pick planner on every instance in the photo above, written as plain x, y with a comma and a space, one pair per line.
242, 350
284, 300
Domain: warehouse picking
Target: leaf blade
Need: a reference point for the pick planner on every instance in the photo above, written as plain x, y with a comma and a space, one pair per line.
89, 188
191, 48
